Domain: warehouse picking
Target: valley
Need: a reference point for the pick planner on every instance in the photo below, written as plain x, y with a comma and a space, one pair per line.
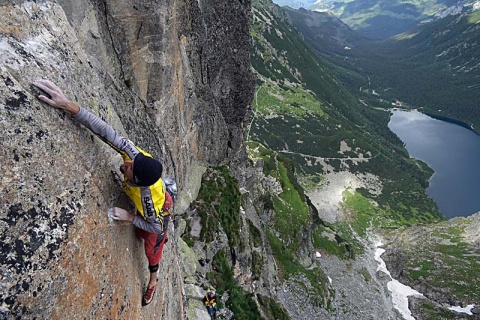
360, 183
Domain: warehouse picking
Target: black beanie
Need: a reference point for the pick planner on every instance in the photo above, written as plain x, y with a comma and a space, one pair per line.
146, 171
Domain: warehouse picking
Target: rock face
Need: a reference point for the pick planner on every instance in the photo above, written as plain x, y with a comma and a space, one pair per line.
174, 77
438, 260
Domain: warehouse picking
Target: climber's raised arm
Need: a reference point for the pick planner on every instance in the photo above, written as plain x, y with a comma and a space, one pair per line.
99, 127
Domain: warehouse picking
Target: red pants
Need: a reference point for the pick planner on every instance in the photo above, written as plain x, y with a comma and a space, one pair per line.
153, 244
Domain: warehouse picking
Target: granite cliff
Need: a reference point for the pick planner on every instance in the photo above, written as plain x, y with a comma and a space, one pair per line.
174, 76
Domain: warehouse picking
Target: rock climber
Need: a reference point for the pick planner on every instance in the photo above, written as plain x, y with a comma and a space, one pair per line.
142, 181
211, 304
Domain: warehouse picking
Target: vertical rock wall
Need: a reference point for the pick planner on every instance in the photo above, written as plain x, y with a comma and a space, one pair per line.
173, 76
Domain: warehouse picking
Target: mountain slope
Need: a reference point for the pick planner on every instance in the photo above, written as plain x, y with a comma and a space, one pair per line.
433, 68
385, 18
323, 114
444, 58
441, 261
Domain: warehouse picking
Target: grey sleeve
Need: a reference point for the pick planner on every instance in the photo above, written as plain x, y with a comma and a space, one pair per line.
106, 132
152, 225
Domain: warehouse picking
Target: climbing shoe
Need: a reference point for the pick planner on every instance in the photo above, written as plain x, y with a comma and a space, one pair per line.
148, 296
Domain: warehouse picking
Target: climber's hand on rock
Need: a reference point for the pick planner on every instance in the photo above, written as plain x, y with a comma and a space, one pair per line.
120, 214
57, 99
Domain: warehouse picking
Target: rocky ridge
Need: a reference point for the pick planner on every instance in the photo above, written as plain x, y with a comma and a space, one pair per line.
439, 261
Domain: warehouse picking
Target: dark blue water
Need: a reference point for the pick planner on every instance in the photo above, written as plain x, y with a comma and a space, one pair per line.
452, 151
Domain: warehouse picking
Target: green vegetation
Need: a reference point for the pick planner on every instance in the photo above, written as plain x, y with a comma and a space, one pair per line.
256, 241
255, 235
329, 243
347, 236
218, 203
289, 268
290, 224
474, 17
272, 309
430, 311
440, 257
423, 270
291, 212
240, 303
310, 182
283, 100
432, 68
366, 275
366, 214
256, 264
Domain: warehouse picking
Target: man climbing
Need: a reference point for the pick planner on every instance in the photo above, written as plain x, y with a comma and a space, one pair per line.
211, 304
142, 182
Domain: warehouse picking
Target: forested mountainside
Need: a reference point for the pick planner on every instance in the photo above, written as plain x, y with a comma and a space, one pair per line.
304, 112
433, 68
386, 18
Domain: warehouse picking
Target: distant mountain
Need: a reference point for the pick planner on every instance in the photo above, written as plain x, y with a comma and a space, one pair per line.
382, 19
323, 31
439, 64
295, 4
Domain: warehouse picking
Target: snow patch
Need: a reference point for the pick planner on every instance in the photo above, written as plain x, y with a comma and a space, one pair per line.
476, 6
467, 309
400, 292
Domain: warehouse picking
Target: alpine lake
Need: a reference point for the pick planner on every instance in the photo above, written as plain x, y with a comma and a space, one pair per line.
452, 151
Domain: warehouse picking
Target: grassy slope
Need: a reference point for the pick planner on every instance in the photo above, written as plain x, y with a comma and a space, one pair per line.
440, 259
441, 67
288, 232
218, 204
